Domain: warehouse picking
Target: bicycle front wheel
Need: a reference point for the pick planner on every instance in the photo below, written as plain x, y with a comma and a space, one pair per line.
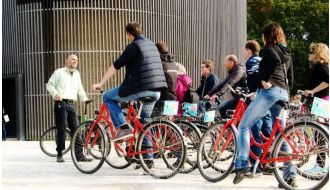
89, 147
161, 148
302, 155
216, 152
48, 141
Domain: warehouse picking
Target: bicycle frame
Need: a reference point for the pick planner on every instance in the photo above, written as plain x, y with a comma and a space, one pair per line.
238, 115
132, 117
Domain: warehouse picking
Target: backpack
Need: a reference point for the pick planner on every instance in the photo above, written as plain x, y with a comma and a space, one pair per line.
190, 96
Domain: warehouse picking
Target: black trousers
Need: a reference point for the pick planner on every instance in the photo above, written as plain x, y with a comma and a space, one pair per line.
65, 115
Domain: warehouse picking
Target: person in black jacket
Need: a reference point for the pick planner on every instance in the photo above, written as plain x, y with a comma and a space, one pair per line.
276, 74
144, 78
319, 87
236, 78
170, 70
208, 80
319, 65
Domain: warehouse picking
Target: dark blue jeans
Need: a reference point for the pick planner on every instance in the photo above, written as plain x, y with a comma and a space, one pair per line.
227, 105
4, 135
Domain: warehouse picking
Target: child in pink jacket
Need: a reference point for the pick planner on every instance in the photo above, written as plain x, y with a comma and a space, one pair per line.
183, 84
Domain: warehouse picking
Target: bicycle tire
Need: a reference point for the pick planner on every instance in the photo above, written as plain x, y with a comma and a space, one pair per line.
305, 154
192, 136
210, 162
48, 145
98, 146
163, 132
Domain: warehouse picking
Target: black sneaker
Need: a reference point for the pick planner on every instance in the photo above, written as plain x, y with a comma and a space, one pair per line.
125, 132
84, 159
240, 173
60, 158
149, 163
292, 182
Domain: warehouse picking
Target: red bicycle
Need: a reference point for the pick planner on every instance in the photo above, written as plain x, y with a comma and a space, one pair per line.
158, 146
307, 140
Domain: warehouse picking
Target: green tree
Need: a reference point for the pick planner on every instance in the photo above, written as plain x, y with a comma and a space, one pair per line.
303, 21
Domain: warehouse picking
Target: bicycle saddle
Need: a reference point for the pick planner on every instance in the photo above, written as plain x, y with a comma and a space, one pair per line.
146, 99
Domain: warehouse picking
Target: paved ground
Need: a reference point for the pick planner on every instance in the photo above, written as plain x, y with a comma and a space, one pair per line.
24, 166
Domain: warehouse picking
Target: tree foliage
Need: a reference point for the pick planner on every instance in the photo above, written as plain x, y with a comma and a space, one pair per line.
303, 21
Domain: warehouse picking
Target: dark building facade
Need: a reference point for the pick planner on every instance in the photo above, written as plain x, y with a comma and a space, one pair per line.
39, 34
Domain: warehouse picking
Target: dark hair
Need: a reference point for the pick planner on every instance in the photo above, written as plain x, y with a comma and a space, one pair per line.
273, 33
162, 47
253, 46
208, 64
134, 28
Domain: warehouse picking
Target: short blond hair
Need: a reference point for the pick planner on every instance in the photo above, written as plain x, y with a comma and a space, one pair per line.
232, 58
181, 69
321, 53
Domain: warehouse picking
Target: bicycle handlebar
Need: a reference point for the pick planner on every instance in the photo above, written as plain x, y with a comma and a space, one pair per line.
300, 92
240, 91
92, 100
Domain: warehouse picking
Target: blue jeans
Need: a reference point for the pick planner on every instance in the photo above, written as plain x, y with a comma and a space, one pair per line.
265, 125
265, 100
112, 100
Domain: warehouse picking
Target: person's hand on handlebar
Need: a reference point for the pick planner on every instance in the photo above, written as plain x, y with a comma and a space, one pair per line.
96, 87
308, 93
207, 97
212, 98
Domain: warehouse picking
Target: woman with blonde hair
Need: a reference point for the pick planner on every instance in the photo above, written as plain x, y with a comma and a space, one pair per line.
182, 85
319, 65
319, 84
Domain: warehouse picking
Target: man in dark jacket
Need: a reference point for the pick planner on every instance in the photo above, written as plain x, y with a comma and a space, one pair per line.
144, 78
236, 78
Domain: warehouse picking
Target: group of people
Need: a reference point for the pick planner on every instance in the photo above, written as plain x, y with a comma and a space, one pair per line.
151, 71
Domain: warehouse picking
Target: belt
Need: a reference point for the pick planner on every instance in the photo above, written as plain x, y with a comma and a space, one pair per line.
68, 101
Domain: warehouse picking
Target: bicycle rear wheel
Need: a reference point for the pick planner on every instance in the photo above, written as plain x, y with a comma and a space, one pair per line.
310, 143
216, 152
162, 149
85, 146
48, 141
192, 136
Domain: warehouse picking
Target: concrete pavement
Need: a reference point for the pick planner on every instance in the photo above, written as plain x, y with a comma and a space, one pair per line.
25, 166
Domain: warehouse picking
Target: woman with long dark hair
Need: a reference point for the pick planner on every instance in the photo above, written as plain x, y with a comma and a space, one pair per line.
276, 72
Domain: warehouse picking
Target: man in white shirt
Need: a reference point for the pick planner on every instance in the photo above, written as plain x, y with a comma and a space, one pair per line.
64, 86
